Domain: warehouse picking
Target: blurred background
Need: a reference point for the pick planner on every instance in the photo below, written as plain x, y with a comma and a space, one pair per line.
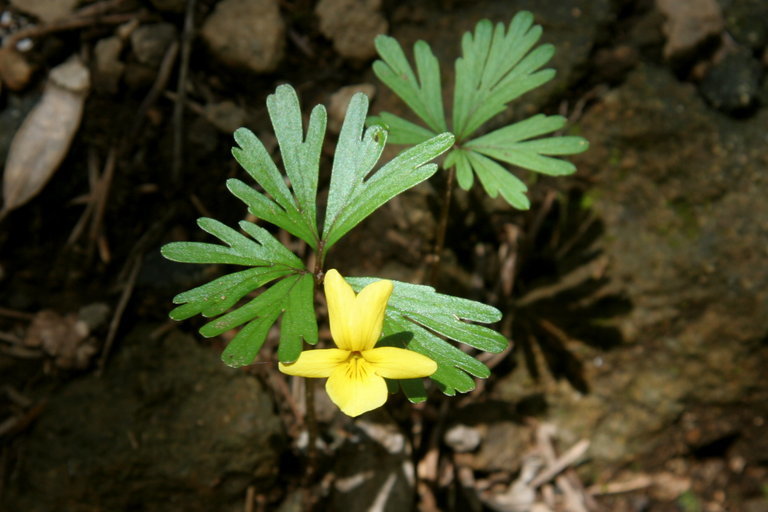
634, 293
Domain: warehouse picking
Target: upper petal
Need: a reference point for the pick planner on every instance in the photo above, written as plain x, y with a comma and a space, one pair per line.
316, 363
356, 390
341, 300
368, 315
399, 363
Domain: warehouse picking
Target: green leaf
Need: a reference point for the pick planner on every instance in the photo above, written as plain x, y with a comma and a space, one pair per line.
298, 322
240, 250
356, 154
352, 197
496, 68
401, 131
434, 318
459, 159
297, 212
291, 296
424, 95
214, 298
496, 179
511, 144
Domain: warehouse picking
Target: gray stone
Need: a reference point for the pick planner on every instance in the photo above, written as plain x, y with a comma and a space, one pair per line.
681, 191
107, 67
732, 84
150, 42
248, 34
352, 25
337, 107
747, 22
374, 468
690, 24
167, 426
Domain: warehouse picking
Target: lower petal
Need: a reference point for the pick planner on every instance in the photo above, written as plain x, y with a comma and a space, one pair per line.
316, 363
354, 396
399, 363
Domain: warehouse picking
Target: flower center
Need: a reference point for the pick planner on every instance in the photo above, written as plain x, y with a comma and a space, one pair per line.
357, 366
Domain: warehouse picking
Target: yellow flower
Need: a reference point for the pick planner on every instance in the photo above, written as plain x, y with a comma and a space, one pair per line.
356, 369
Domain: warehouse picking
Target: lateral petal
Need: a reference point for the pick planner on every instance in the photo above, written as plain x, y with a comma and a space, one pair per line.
316, 363
368, 316
399, 363
356, 392
341, 302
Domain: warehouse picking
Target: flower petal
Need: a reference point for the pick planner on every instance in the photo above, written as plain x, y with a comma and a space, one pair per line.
316, 363
356, 391
399, 363
368, 315
341, 299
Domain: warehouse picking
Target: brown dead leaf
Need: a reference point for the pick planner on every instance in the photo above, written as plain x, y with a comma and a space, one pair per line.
44, 137
15, 71
65, 338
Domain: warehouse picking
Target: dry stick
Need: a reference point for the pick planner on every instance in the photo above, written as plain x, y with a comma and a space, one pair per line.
100, 200
12, 313
163, 74
122, 303
68, 24
442, 227
181, 90
93, 181
573, 454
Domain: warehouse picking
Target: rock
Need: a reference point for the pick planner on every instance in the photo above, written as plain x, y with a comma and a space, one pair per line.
248, 34
65, 338
337, 108
463, 438
352, 25
167, 426
15, 71
150, 42
225, 116
732, 84
681, 193
690, 25
746, 22
107, 67
46, 10
374, 468
503, 444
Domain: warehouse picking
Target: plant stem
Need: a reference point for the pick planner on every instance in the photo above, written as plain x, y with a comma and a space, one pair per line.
310, 419
442, 227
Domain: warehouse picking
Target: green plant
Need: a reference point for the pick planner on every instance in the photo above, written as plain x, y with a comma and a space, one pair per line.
497, 66
355, 192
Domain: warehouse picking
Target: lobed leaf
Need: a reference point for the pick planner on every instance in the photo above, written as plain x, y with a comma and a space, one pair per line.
401, 131
295, 212
352, 197
510, 144
423, 95
498, 180
291, 296
496, 68
427, 315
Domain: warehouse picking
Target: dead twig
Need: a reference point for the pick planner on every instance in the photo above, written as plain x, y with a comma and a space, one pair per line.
181, 90
12, 313
85, 17
115, 323
161, 81
100, 202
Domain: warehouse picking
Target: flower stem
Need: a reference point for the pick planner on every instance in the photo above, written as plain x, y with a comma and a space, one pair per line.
442, 227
